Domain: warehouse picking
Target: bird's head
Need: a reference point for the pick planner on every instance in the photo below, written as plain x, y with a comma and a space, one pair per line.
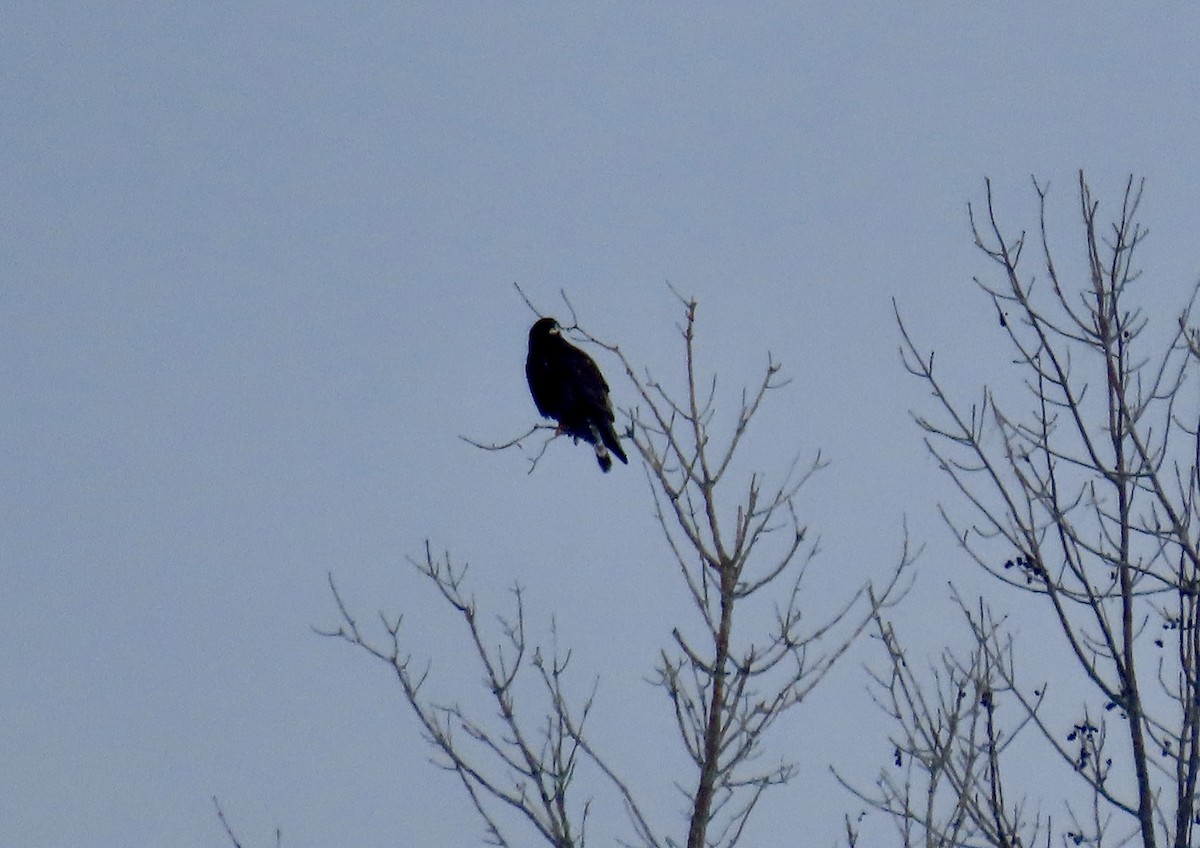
545, 327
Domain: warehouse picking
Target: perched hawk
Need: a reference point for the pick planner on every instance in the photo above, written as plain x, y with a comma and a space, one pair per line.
567, 386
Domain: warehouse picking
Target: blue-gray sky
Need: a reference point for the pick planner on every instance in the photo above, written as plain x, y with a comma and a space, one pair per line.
256, 278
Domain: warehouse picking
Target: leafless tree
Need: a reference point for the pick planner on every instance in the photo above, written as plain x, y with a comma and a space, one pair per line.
1079, 491
519, 746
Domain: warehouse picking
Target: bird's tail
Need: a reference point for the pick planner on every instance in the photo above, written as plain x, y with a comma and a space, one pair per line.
610, 440
603, 457
603, 440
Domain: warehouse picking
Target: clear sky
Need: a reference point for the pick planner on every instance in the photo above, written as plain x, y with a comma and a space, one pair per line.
256, 277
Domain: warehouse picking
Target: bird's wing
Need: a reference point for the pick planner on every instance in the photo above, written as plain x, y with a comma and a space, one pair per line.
543, 385
588, 383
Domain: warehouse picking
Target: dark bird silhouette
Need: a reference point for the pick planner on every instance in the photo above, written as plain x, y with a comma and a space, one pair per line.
567, 386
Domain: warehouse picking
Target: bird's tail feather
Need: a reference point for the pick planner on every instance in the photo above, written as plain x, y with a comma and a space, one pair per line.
613, 443
603, 440
603, 457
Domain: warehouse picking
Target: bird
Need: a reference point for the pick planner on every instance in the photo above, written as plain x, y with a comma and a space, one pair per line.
568, 387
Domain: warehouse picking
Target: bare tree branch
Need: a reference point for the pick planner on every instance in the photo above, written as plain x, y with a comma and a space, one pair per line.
1085, 500
735, 543
233, 839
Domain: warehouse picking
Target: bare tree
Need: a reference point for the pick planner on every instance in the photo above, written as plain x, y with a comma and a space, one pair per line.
945, 785
1081, 493
734, 542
